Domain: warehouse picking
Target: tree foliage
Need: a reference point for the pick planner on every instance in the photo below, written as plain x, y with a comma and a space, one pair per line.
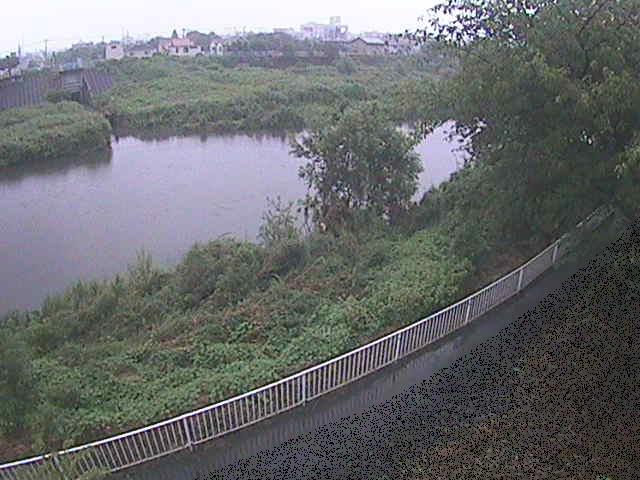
548, 93
357, 161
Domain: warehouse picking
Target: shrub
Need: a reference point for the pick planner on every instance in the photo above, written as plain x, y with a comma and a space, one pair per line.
17, 385
282, 238
222, 272
278, 224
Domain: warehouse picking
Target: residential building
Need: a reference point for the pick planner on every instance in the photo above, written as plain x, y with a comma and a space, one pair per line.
179, 47
202, 40
365, 47
114, 51
10, 67
401, 45
141, 50
216, 48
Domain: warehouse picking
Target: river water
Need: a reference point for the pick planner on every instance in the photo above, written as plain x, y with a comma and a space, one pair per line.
87, 218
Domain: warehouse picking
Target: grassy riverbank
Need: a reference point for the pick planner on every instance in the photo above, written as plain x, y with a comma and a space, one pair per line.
202, 94
231, 316
50, 131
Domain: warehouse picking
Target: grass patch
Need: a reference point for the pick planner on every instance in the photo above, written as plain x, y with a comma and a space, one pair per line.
50, 131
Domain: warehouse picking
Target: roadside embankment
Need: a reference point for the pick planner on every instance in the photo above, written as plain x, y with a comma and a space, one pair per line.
564, 380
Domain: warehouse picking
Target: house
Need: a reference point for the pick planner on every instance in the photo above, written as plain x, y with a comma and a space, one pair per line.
141, 50
10, 67
202, 40
179, 47
401, 45
360, 46
114, 51
216, 49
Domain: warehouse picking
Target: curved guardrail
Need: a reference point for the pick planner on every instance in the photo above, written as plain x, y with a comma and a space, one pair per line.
197, 427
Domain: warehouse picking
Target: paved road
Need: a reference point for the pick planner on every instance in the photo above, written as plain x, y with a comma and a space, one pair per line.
354, 432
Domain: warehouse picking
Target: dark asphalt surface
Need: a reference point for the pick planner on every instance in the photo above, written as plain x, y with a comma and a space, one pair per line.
359, 431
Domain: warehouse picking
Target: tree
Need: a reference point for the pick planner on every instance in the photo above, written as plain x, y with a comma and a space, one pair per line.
548, 94
357, 161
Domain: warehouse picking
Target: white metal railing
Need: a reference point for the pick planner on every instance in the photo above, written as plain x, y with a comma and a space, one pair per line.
191, 429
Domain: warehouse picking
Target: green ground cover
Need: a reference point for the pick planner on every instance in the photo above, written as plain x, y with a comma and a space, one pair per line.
50, 131
148, 344
202, 94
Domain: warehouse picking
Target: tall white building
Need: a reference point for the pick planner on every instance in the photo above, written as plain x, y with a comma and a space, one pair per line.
335, 30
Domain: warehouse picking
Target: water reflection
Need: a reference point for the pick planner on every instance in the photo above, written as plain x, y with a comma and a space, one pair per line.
204, 135
91, 162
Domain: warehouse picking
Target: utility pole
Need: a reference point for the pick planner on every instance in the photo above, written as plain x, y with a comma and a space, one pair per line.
46, 44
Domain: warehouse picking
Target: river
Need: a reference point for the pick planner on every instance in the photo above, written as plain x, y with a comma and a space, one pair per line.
87, 218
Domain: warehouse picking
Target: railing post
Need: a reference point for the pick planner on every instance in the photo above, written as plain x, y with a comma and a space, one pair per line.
304, 388
554, 257
468, 314
187, 431
56, 464
397, 354
520, 279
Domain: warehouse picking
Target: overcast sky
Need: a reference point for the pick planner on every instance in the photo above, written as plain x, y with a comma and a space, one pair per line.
67, 21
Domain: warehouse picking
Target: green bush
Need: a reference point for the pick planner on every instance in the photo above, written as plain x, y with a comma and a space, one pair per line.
222, 272
50, 131
17, 385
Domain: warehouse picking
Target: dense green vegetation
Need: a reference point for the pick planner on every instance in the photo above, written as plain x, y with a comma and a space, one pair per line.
50, 131
202, 94
104, 357
547, 96
230, 316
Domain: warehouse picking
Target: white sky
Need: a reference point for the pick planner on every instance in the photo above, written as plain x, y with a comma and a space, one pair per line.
67, 21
